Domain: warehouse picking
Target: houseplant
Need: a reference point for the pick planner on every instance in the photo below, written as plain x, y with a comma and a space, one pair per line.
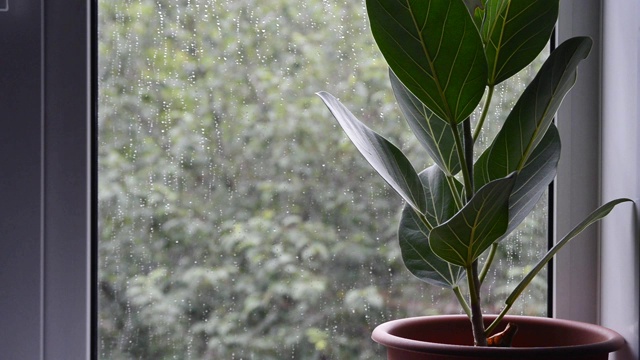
444, 58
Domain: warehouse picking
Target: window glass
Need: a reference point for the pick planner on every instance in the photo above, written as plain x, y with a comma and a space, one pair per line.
236, 220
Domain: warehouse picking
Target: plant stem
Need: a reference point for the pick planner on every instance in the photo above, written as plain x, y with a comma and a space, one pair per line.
483, 116
456, 195
462, 301
477, 325
468, 153
487, 264
468, 181
497, 320
466, 160
464, 147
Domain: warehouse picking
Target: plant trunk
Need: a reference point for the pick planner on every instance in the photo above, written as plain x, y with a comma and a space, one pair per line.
477, 323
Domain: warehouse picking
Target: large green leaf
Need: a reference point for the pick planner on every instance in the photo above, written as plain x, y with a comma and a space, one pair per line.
483, 220
383, 156
598, 214
532, 180
514, 32
433, 133
436, 51
530, 118
414, 229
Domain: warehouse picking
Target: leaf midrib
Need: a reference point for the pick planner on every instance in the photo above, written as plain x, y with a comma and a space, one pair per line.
430, 61
498, 48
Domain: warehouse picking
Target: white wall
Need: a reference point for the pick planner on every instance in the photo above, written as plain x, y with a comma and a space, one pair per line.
620, 176
577, 185
596, 277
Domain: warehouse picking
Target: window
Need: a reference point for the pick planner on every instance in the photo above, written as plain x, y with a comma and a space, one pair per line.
235, 220
61, 267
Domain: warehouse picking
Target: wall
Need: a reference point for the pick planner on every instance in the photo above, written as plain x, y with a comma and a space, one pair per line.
619, 306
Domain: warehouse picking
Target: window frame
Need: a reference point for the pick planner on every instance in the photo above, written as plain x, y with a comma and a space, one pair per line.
578, 121
46, 253
598, 123
61, 251
68, 162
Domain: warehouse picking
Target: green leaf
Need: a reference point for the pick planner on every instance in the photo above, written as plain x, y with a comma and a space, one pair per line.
483, 220
532, 180
531, 116
433, 133
436, 51
514, 33
414, 229
598, 214
383, 156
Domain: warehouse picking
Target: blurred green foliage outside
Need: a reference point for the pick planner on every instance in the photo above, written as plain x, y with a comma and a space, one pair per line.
236, 220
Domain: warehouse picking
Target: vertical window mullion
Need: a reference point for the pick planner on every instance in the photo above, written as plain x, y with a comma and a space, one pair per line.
67, 178
20, 180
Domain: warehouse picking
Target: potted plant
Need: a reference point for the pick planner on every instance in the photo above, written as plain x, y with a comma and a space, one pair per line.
444, 58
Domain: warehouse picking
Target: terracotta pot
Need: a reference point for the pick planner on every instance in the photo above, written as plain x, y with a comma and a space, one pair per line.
449, 337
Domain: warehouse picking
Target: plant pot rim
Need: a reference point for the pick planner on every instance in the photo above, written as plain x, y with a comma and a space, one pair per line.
384, 334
